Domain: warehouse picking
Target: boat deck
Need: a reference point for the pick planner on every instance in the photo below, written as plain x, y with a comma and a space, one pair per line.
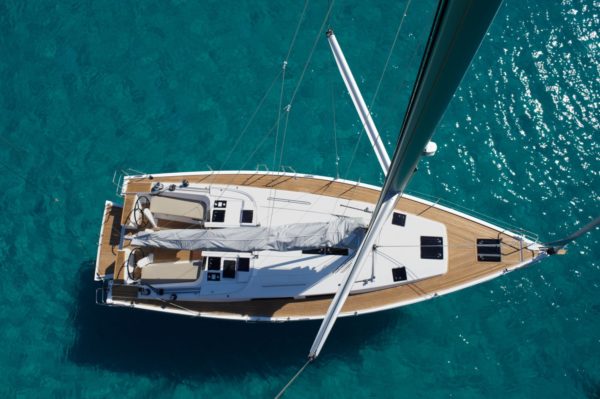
464, 269
109, 240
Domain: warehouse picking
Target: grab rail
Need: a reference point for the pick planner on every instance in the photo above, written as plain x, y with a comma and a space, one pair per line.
102, 291
471, 212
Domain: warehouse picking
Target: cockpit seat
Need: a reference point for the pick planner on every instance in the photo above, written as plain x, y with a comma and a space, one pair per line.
177, 209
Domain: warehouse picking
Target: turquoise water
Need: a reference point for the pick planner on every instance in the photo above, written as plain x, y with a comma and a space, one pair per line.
88, 88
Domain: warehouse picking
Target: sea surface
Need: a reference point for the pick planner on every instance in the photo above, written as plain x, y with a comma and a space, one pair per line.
90, 88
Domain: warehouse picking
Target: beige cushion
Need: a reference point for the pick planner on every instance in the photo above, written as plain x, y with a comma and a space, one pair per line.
170, 271
165, 206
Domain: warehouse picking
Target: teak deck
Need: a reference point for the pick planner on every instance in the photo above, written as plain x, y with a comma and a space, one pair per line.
463, 267
109, 240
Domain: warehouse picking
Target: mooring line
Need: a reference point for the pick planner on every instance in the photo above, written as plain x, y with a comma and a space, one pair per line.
290, 382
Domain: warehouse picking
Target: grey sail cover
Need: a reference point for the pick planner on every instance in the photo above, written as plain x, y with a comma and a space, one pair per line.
339, 232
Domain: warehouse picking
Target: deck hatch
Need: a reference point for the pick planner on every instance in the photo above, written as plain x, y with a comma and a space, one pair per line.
399, 273
243, 265
488, 250
229, 269
214, 263
218, 215
399, 219
247, 216
432, 247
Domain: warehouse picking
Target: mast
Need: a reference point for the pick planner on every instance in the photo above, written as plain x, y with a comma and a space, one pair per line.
458, 29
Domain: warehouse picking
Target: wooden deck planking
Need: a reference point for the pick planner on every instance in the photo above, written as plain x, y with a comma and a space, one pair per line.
170, 255
120, 266
109, 241
462, 236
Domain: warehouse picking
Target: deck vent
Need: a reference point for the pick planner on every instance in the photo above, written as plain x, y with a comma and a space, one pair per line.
214, 263
218, 215
432, 247
243, 265
326, 251
399, 273
229, 269
213, 276
399, 219
488, 250
247, 216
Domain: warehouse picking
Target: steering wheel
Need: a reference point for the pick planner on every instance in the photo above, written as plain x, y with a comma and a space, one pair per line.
139, 218
134, 256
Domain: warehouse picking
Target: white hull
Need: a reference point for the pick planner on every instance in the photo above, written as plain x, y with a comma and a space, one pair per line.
300, 276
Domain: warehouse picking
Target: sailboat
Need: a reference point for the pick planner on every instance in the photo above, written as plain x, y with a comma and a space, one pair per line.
280, 246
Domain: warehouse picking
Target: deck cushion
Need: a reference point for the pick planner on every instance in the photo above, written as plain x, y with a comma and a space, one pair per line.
168, 206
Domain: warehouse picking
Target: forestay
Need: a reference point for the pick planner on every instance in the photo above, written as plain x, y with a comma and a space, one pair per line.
339, 232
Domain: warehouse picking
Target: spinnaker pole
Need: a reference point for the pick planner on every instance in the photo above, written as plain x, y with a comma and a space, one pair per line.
359, 103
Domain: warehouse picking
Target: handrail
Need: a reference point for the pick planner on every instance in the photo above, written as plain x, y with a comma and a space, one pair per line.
262, 165
102, 291
500, 223
117, 180
288, 169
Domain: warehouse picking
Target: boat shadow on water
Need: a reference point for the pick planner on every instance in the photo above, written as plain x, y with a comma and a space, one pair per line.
152, 343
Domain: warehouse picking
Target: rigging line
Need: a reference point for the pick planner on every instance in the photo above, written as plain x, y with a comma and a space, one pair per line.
258, 107
290, 382
387, 61
295, 92
277, 130
453, 246
272, 207
445, 202
287, 119
285, 62
337, 157
249, 157
287, 57
317, 38
279, 112
354, 151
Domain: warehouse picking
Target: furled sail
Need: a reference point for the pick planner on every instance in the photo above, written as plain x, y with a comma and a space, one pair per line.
340, 232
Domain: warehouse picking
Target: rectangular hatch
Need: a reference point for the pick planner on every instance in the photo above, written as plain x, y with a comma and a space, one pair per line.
432, 247
488, 250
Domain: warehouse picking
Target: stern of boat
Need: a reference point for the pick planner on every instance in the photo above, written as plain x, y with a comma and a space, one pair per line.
108, 242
